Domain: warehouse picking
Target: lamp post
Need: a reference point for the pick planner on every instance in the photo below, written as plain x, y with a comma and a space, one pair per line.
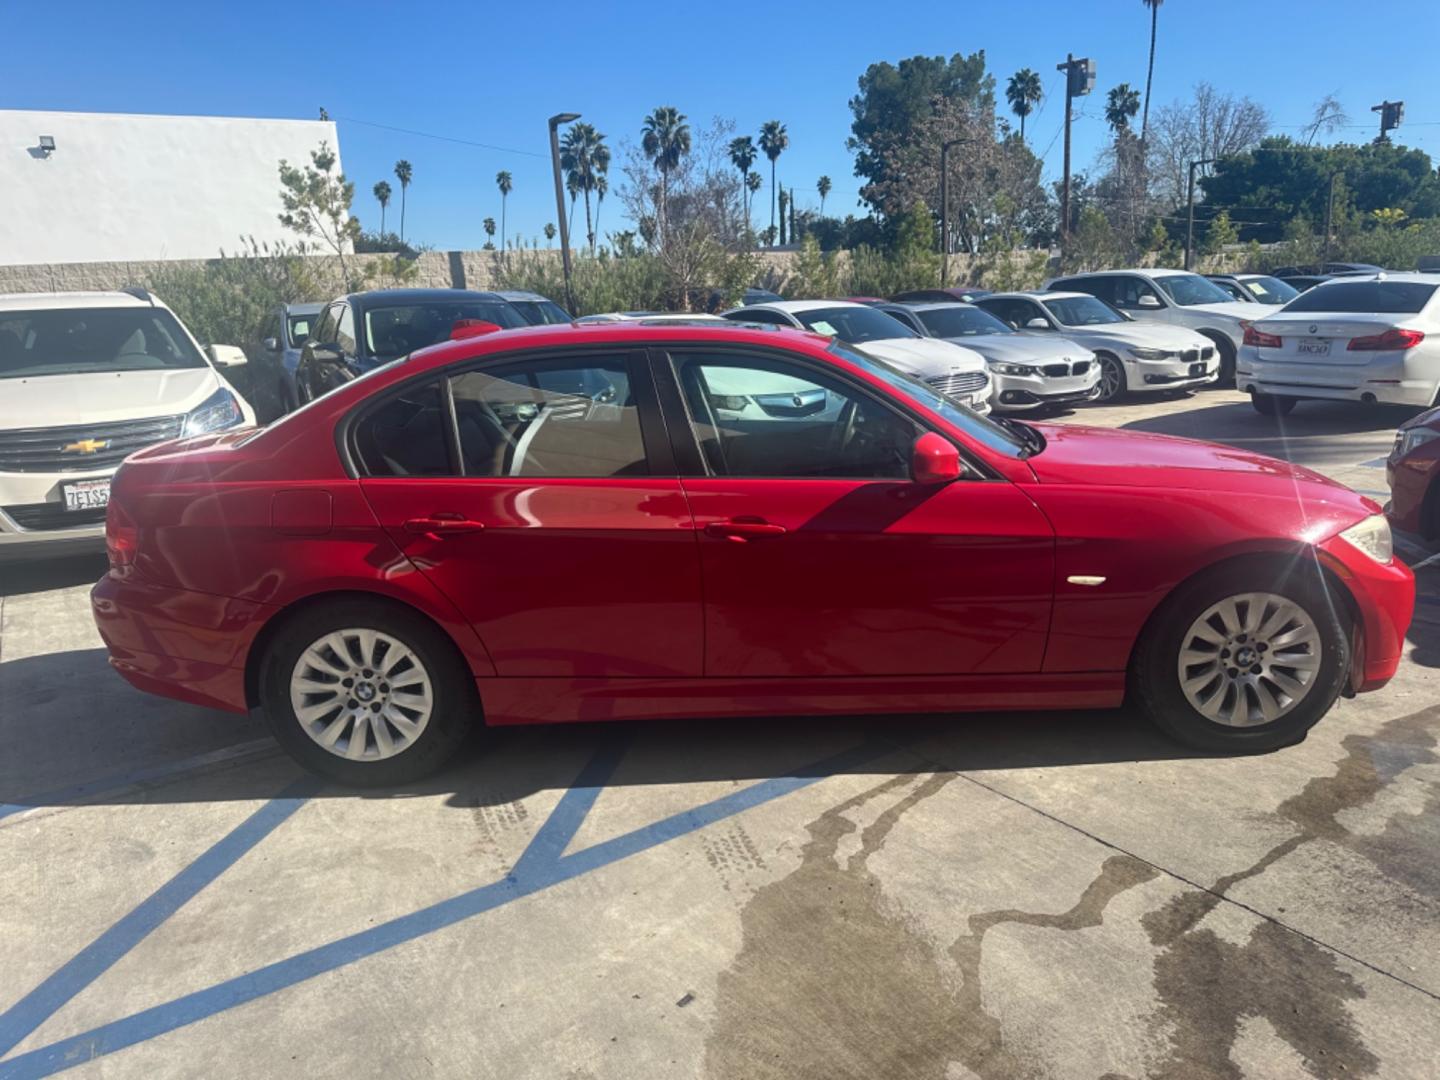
555, 122
1190, 207
945, 208
1079, 81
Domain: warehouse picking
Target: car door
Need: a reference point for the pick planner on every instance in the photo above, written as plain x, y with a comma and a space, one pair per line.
540, 496
820, 556
310, 376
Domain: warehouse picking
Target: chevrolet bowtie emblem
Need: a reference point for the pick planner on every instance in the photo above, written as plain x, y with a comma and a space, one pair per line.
85, 446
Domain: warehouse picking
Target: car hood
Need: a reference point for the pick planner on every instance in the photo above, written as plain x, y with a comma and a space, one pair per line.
1025, 349
1144, 335
925, 357
67, 400
1118, 458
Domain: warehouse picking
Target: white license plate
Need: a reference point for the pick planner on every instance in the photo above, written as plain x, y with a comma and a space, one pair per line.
1313, 346
86, 494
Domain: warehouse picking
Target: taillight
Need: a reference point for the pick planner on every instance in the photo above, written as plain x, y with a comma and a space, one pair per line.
1259, 338
1394, 338
120, 536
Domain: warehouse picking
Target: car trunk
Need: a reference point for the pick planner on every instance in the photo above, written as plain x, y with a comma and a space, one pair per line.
1324, 339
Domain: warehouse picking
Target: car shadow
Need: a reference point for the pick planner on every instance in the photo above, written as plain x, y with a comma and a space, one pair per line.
76, 734
19, 578
1304, 436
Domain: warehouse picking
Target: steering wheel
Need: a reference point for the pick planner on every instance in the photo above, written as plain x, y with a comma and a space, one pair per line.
845, 429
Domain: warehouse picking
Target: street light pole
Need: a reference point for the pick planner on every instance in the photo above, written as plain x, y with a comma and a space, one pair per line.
555, 122
1329, 208
945, 208
1190, 208
1079, 81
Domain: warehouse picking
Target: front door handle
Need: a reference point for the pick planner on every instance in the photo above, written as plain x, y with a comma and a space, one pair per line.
742, 529
438, 525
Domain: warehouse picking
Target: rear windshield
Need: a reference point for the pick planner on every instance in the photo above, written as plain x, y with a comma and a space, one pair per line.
73, 341
1269, 290
540, 312
396, 331
1190, 289
961, 320
300, 327
1381, 297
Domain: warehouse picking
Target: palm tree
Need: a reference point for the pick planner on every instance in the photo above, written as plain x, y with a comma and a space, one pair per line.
665, 138
1121, 105
1023, 92
752, 185
572, 188
585, 158
823, 187
549, 233
489, 224
403, 173
602, 188
1154, 6
382, 196
773, 141
742, 156
502, 181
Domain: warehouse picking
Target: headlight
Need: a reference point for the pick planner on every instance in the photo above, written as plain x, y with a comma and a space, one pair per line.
1372, 536
1149, 354
216, 413
1413, 438
1012, 369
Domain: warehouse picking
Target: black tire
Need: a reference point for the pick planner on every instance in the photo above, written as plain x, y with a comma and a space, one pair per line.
1112, 371
1155, 683
455, 709
1272, 404
1226, 348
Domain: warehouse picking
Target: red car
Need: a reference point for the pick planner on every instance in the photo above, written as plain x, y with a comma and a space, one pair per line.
691, 520
1413, 470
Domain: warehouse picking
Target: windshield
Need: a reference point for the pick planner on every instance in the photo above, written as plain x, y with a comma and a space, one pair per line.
855, 325
1190, 289
1083, 311
1269, 290
300, 327
1378, 297
400, 330
540, 312
981, 428
961, 320
73, 341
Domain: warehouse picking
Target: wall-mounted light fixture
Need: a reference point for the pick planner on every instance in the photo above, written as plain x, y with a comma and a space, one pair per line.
47, 144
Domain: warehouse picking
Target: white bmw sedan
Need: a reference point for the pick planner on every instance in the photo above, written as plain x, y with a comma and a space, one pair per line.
1372, 339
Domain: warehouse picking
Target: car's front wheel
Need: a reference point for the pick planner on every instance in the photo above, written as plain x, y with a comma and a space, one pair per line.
1112, 379
1247, 658
366, 693
1272, 404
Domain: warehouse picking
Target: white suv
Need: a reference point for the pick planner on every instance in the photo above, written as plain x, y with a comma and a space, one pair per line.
85, 380
1177, 297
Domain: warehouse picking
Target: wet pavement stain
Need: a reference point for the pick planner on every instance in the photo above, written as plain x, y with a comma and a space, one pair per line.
831, 982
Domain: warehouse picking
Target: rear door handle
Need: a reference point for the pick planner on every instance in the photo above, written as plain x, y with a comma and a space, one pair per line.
742, 529
438, 525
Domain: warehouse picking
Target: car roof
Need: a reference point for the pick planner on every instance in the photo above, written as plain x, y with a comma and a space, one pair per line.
519, 294
1036, 294
420, 296
795, 306
303, 309
58, 301
1422, 277
1143, 271
930, 305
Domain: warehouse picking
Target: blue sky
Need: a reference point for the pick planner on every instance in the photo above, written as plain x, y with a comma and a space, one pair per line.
491, 73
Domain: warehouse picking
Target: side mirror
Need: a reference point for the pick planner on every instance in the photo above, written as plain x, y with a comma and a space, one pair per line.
226, 356
1038, 323
935, 460
327, 354
271, 344
1148, 301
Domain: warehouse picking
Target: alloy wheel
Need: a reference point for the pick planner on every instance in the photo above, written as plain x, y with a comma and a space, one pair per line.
361, 694
1112, 379
1249, 659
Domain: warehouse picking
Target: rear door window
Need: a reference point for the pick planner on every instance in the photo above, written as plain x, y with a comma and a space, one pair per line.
405, 435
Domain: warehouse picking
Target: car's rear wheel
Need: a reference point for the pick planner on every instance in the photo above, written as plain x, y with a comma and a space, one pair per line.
1272, 404
366, 693
1247, 658
1112, 379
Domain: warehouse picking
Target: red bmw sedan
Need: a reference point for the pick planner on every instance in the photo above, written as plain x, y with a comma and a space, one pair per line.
680, 521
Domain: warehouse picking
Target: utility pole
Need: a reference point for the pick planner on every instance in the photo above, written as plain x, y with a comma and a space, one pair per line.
1190, 208
1391, 113
555, 122
1079, 81
945, 208
1329, 209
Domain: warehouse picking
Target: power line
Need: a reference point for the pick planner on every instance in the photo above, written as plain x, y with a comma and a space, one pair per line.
443, 138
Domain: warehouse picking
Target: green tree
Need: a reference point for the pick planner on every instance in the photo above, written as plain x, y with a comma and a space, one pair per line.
1121, 105
753, 183
665, 138
1220, 233
404, 173
316, 201
773, 141
894, 98
784, 204
823, 187
1024, 92
585, 158
549, 233
602, 188
815, 273
504, 183
382, 196
742, 156
489, 226
1154, 6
